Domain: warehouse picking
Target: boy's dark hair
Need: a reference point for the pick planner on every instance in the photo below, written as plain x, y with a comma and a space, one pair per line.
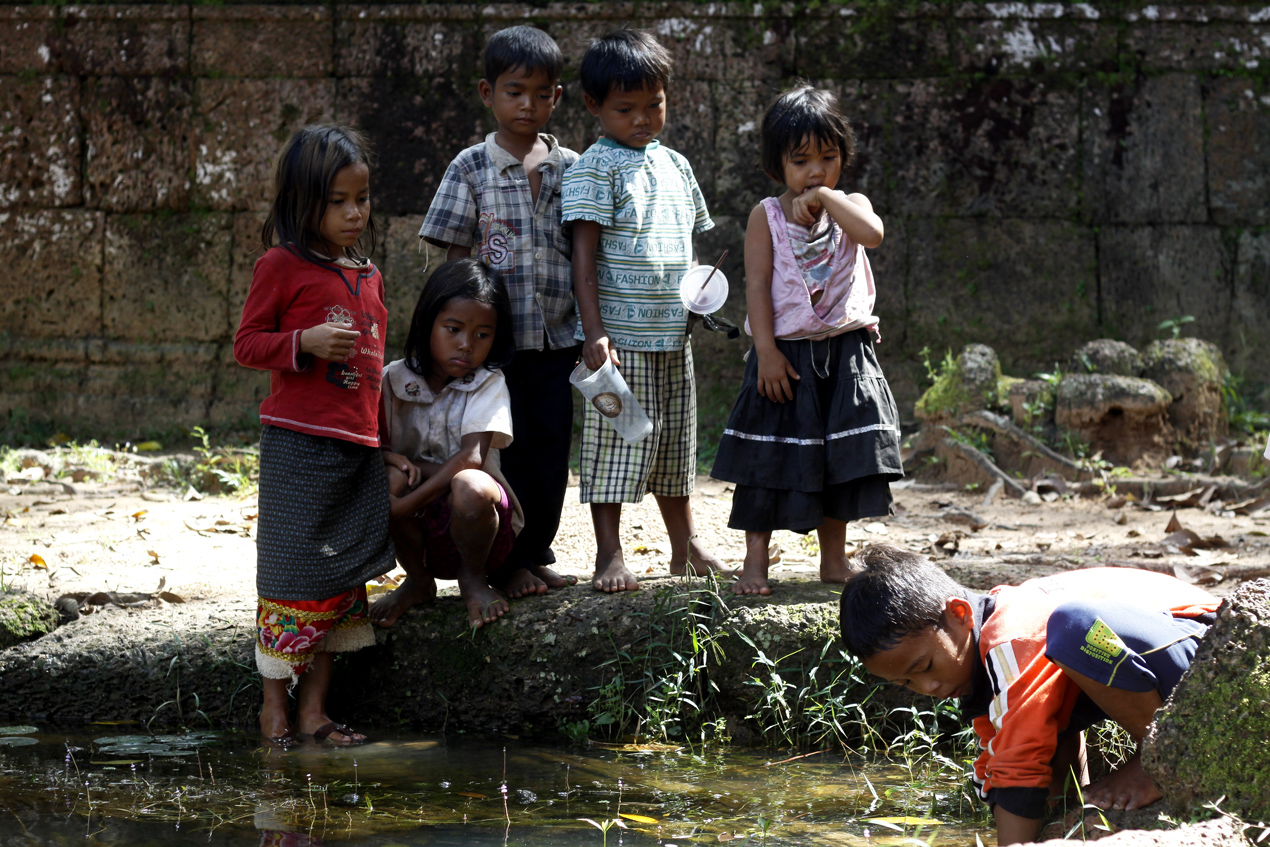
795, 117
896, 594
466, 279
522, 47
302, 183
626, 60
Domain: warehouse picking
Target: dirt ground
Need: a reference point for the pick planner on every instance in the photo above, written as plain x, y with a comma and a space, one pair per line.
120, 537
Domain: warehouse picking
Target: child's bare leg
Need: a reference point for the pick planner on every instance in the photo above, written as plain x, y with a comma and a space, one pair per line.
474, 498
312, 714
754, 572
611, 573
275, 717
834, 566
685, 549
1128, 787
418, 586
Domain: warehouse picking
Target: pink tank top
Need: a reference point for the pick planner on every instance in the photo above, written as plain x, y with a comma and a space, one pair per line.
849, 295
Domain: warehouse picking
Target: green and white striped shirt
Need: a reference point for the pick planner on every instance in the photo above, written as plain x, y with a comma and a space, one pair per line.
649, 205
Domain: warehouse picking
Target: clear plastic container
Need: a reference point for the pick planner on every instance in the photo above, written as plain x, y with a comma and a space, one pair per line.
702, 293
608, 393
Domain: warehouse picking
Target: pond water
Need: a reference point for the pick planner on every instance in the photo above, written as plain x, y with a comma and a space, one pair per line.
98, 785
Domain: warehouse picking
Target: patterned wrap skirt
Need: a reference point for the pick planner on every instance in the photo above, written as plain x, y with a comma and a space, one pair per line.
831, 452
323, 533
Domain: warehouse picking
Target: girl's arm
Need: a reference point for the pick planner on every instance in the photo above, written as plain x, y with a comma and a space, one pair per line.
473, 450
774, 370
853, 212
597, 347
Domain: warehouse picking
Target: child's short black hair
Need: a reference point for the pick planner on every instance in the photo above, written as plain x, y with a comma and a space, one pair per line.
302, 183
798, 115
466, 279
524, 47
897, 593
626, 60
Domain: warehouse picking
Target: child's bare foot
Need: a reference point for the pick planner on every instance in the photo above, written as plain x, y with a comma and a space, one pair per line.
523, 583
484, 604
835, 567
753, 580
611, 574
1128, 787
703, 562
275, 729
553, 579
410, 593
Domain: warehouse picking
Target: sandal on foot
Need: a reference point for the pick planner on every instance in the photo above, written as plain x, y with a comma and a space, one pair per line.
323, 733
283, 742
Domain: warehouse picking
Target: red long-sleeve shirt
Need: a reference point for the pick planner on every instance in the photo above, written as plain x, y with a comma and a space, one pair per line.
290, 294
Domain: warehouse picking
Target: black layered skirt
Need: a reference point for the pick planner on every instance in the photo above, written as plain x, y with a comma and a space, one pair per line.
831, 452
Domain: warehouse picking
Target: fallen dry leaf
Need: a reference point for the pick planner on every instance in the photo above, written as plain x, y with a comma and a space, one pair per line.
38, 560
154, 557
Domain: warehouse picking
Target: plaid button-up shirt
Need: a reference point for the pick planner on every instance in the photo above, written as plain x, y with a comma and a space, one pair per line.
484, 202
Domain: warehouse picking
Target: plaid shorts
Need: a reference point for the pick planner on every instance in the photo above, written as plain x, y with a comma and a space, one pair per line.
664, 463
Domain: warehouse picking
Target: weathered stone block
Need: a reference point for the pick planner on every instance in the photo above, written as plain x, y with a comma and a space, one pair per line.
867, 106
690, 130
1237, 115
24, 617
861, 42
245, 251
138, 154
1020, 45
241, 127
416, 126
239, 391
1250, 308
1142, 148
1205, 45
404, 40
146, 396
1106, 356
32, 40
260, 41
407, 264
714, 47
1027, 288
54, 279
998, 146
889, 261
1194, 373
127, 40
1212, 738
166, 278
1155, 273
1121, 416
39, 142
973, 384
739, 180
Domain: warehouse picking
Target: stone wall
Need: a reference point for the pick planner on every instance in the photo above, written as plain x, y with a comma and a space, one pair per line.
1048, 172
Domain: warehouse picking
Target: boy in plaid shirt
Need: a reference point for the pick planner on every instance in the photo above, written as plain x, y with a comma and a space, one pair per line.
500, 201
635, 206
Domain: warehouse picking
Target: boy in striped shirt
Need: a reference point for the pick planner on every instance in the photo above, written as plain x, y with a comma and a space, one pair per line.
635, 206
1032, 666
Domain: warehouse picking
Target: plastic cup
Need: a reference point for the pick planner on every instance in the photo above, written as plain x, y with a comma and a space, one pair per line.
612, 398
705, 300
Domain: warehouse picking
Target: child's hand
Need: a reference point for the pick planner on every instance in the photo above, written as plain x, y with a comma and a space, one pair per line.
331, 341
596, 350
774, 374
401, 463
808, 206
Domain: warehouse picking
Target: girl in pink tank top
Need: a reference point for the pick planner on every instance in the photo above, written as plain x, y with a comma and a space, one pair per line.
813, 440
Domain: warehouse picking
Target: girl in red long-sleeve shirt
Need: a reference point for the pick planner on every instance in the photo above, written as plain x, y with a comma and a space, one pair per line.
315, 319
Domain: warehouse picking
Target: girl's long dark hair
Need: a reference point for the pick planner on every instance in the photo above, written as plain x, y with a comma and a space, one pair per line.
302, 183
466, 279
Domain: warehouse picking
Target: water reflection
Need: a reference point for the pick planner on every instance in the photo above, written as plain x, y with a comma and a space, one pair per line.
94, 785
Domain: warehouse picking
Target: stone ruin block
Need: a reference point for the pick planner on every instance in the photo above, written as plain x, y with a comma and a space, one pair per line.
690, 130
1150, 274
839, 42
139, 131
245, 251
239, 391
1031, 402
40, 143
166, 278
262, 41
1211, 739
715, 47
1199, 45
416, 126
407, 264
52, 287
1250, 308
123, 40
240, 128
1106, 356
1019, 45
1193, 372
399, 40
739, 179
1237, 116
867, 105
1123, 417
889, 261
32, 40
1134, 135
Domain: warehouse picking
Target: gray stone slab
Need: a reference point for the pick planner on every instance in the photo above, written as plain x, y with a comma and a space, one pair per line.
890, 263
861, 42
239, 391
1250, 308
262, 41
1142, 148
406, 264
138, 133
1151, 274
54, 282
1237, 118
1201, 45
245, 250
32, 41
739, 180
40, 145
402, 40
125, 40
166, 278
1021, 45
241, 126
